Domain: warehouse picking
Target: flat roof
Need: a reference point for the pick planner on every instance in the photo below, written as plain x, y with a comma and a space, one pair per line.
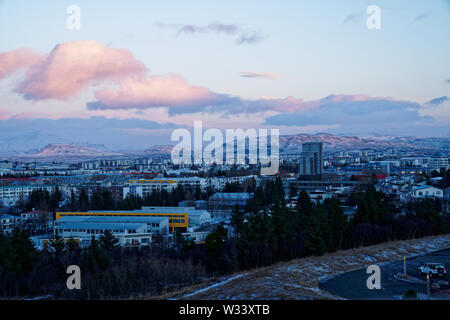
109, 219
100, 226
29, 186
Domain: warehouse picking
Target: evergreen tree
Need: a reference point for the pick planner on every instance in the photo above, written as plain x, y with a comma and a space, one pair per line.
56, 245
94, 257
55, 198
25, 252
72, 245
337, 223
9, 262
108, 241
83, 201
214, 241
237, 220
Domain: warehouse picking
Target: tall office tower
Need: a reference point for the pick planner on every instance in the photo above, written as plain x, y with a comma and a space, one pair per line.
311, 159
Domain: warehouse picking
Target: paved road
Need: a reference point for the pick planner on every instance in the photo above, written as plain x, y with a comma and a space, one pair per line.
352, 285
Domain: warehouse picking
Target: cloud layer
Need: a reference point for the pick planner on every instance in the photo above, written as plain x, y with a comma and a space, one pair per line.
73, 66
120, 82
15, 60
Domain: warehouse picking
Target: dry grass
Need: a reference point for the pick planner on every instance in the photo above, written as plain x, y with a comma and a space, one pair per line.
299, 279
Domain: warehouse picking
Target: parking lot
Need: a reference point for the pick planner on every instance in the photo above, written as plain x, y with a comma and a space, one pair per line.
352, 285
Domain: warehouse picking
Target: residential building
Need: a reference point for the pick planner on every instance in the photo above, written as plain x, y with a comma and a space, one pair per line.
37, 220
426, 192
8, 223
144, 187
438, 161
10, 195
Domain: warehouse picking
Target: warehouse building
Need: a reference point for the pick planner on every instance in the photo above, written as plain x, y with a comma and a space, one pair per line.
130, 231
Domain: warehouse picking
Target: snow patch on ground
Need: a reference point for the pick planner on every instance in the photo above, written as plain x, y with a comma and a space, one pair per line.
215, 285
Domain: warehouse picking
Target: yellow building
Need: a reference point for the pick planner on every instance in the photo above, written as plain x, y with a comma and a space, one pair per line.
178, 217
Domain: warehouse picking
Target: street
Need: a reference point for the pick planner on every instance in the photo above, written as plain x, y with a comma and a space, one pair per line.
352, 285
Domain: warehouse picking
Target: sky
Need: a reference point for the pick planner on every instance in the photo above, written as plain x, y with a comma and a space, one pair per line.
135, 70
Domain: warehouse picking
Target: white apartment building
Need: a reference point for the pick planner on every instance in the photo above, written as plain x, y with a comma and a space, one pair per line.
426, 191
144, 187
9, 195
437, 162
8, 223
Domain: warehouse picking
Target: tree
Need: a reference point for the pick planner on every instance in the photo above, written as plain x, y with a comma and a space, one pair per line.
372, 207
83, 201
336, 221
214, 241
25, 252
237, 220
8, 256
94, 257
108, 241
72, 245
55, 198
56, 245
304, 209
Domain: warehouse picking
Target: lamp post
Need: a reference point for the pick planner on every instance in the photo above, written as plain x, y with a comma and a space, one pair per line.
404, 266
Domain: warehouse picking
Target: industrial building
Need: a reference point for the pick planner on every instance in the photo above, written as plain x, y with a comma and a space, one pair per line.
227, 201
130, 231
178, 217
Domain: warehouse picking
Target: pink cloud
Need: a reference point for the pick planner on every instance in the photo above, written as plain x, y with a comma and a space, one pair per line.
4, 115
15, 60
154, 91
72, 66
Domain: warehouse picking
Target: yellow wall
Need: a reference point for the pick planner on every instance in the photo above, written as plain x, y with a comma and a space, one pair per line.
172, 216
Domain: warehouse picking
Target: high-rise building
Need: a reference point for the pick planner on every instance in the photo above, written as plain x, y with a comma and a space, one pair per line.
311, 159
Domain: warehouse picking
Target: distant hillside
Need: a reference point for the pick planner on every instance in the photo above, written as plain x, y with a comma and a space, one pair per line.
69, 150
293, 143
333, 142
159, 149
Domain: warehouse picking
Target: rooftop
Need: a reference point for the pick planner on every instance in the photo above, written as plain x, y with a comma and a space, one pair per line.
109, 219
101, 226
233, 196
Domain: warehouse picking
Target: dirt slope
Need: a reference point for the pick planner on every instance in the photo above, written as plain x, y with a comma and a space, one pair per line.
299, 279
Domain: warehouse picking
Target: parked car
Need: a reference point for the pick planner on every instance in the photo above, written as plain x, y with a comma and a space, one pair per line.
433, 269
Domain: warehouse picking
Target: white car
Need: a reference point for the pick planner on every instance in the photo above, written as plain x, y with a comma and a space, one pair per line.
433, 269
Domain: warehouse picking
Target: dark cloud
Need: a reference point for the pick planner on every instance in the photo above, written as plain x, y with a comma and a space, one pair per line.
438, 101
249, 38
243, 37
363, 115
352, 17
216, 27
